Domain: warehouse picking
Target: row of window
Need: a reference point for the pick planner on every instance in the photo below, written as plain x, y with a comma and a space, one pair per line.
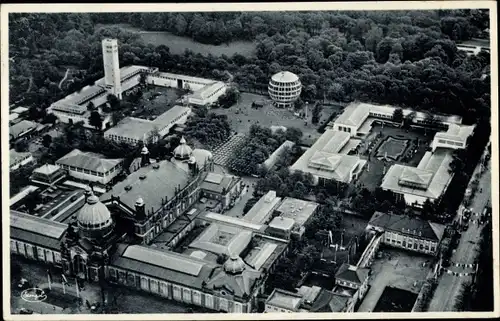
409, 243
272, 308
89, 172
449, 142
285, 84
284, 89
177, 292
184, 80
35, 252
347, 284
344, 129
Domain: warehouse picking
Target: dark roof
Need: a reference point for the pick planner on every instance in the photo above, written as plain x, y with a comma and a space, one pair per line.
152, 184
238, 284
36, 230
23, 126
352, 273
35, 238
407, 225
328, 301
119, 260
89, 161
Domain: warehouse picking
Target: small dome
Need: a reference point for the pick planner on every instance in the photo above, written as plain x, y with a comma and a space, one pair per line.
192, 160
234, 265
139, 202
183, 151
94, 215
144, 150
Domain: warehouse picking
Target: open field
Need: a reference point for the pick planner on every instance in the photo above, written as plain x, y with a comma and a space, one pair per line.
242, 116
179, 44
397, 269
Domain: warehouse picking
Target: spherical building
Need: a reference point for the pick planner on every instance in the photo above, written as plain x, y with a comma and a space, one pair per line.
284, 89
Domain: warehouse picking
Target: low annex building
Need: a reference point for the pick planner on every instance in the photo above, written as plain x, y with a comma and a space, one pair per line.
307, 299
19, 159
327, 159
90, 167
407, 232
134, 130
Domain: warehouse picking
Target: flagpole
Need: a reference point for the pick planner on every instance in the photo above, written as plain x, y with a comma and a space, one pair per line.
48, 278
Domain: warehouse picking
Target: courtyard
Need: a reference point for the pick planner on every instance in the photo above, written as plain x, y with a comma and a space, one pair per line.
387, 145
155, 101
396, 300
398, 269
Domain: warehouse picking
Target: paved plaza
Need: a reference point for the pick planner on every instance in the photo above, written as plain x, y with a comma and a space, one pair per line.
398, 269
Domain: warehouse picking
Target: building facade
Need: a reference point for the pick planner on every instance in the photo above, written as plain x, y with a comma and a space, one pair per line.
401, 231
111, 67
284, 89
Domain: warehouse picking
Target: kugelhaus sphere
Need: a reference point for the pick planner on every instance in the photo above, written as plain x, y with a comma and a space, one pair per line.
284, 89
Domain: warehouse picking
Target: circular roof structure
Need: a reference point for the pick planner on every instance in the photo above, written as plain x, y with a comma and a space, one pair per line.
144, 150
94, 215
183, 151
285, 77
234, 265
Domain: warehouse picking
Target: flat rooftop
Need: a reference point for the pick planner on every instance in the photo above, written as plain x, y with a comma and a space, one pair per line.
285, 299
298, 210
323, 159
262, 210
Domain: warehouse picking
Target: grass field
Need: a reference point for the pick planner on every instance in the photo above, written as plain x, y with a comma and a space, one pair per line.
179, 44
242, 116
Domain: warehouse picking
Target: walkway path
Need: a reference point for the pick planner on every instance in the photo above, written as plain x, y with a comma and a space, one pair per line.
64, 78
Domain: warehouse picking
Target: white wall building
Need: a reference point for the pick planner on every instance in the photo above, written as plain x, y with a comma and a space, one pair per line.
90, 167
284, 89
327, 159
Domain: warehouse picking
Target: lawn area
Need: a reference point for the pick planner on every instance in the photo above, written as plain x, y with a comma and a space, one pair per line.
178, 44
401, 148
150, 105
242, 116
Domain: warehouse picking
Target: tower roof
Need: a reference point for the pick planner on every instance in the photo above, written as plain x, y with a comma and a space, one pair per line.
183, 151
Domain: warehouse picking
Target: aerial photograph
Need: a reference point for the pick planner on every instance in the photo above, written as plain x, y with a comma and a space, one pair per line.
334, 161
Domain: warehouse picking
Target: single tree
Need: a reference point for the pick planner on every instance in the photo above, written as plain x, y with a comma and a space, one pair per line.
91, 106
95, 120
397, 116
47, 140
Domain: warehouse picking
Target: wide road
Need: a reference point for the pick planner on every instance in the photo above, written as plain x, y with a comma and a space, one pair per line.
449, 285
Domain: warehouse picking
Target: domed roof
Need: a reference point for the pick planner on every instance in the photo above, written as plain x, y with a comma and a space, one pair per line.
284, 77
94, 214
234, 265
183, 151
139, 201
144, 150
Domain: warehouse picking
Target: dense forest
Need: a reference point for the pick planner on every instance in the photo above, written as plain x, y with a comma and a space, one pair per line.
402, 58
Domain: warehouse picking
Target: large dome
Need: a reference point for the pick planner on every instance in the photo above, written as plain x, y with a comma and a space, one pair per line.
183, 151
94, 215
284, 88
285, 77
234, 265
